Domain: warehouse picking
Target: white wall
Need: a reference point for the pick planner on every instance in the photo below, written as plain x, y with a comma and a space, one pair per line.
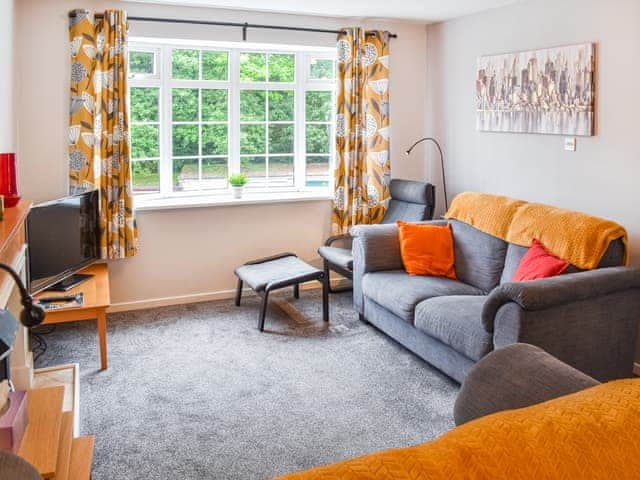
7, 73
601, 177
193, 251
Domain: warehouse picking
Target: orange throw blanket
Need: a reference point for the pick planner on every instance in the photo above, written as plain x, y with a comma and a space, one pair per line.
579, 238
589, 435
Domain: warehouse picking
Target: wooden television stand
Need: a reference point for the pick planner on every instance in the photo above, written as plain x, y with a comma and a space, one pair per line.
96, 301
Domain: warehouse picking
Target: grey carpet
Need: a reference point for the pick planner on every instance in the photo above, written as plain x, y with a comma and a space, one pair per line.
196, 392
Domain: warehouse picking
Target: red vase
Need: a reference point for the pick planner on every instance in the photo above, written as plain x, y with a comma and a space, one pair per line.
8, 184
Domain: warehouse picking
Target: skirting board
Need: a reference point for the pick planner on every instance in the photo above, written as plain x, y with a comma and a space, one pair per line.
636, 369
199, 297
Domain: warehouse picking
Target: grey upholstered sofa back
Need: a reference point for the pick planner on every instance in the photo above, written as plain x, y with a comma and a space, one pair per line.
485, 261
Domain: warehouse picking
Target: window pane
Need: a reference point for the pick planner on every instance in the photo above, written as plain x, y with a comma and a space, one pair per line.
317, 174
252, 105
214, 140
145, 176
321, 69
252, 139
214, 172
281, 171
214, 65
318, 139
280, 138
185, 104
145, 141
184, 64
185, 174
185, 140
281, 105
253, 67
254, 167
214, 105
318, 106
144, 104
142, 63
281, 68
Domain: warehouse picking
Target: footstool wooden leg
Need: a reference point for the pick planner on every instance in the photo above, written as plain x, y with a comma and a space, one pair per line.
325, 298
296, 290
239, 292
263, 310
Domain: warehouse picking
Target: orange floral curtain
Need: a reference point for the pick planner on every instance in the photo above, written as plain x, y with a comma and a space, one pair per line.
108, 164
81, 135
363, 169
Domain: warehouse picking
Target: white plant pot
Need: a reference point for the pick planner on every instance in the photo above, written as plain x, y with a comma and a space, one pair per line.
237, 191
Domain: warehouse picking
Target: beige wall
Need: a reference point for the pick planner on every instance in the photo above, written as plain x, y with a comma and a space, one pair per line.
192, 252
602, 176
7, 73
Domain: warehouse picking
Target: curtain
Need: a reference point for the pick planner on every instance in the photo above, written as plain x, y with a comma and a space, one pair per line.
109, 168
81, 134
362, 170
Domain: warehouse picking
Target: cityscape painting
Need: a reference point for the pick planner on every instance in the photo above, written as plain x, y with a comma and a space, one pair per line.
543, 91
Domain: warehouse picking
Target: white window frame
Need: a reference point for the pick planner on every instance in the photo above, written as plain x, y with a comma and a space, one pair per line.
302, 83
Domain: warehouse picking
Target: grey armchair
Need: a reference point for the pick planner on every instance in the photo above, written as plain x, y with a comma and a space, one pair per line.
411, 201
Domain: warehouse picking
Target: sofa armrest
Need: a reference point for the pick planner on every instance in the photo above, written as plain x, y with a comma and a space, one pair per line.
515, 376
559, 290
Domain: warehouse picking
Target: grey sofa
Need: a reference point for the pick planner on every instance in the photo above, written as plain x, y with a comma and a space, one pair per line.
587, 319
516, 376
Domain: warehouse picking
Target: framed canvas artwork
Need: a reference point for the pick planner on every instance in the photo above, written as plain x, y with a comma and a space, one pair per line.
548, 91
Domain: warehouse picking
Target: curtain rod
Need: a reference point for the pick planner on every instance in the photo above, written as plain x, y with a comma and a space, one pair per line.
244, 26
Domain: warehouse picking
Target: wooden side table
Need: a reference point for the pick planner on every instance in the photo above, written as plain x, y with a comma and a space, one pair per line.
96, 301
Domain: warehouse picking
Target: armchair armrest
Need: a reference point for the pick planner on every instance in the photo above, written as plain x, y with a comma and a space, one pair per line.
559, 290
515, 376
345, 237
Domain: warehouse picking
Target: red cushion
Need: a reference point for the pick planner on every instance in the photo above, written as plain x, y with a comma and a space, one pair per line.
538, 263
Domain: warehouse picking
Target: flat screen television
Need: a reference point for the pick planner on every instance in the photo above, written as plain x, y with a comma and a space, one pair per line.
62, 238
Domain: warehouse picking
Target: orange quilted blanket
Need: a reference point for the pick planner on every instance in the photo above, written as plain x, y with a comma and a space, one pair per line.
579, 238
593, 434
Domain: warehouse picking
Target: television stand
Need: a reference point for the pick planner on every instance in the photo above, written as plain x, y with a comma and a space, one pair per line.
96, 301
70, 282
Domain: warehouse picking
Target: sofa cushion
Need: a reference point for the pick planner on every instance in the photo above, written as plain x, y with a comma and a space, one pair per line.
511, 261
399, 292
456, 321
479, 256
338, 256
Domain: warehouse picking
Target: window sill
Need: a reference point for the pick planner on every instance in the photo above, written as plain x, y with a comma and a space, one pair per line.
143, 203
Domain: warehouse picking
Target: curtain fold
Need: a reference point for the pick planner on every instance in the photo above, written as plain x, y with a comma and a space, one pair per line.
81, 110
108, 165
362, 171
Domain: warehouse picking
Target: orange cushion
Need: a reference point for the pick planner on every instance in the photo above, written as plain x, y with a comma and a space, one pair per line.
427, 249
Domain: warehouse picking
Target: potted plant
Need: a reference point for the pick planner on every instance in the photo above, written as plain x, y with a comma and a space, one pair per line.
237, 182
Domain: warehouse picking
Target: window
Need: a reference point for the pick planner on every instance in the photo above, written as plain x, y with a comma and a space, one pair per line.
200, 113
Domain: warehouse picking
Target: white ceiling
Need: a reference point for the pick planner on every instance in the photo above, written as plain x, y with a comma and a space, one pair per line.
416, 10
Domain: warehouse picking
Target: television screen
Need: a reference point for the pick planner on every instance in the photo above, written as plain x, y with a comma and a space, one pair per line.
62, 238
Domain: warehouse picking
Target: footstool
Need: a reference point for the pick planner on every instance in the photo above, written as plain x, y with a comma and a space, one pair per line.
280, 271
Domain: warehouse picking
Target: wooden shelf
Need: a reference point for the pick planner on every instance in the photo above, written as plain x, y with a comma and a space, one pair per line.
81, 458
48, 442
41, 439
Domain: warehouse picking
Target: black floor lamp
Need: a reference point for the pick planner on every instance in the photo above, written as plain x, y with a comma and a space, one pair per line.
444, 183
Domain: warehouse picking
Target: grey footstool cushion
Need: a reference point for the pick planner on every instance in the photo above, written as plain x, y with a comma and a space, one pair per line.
271, 273
515, 376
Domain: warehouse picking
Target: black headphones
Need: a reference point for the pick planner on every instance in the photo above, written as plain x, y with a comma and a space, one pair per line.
32, 313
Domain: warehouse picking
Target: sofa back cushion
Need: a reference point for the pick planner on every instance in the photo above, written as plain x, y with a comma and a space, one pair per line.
613, 257
479, 257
